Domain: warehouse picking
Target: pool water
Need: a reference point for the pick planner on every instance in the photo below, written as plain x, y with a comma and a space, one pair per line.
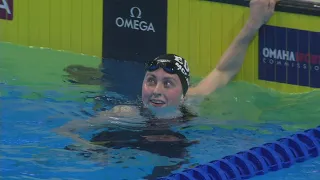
43, 89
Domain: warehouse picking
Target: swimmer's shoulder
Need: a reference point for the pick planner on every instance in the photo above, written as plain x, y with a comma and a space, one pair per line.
121, 110
192, 104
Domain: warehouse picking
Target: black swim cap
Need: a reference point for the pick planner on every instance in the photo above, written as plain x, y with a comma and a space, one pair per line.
172, 64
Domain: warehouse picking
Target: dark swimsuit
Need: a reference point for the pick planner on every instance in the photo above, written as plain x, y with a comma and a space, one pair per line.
171, 148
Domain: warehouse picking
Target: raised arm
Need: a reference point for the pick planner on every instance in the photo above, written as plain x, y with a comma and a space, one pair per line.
231, 61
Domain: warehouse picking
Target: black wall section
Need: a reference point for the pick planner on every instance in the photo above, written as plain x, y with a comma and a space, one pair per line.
134, 30
124, 78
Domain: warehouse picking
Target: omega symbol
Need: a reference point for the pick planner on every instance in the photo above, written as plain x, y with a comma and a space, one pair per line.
135, 10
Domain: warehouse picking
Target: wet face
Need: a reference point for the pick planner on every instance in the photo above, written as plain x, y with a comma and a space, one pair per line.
161, 89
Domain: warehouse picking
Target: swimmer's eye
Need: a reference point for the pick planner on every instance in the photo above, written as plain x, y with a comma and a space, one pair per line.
151, 81
168, 84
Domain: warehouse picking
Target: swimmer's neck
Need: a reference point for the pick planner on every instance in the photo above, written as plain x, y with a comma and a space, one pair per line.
164, 112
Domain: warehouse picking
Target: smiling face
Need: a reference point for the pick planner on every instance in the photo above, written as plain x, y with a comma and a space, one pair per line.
161, 89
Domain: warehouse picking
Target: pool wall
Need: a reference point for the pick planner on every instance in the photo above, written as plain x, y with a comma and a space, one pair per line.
284, 55
71, 25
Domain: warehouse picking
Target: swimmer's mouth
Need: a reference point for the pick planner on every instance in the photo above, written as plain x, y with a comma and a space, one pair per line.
157, 103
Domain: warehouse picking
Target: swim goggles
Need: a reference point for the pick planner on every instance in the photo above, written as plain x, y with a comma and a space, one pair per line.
170, 67
167, 65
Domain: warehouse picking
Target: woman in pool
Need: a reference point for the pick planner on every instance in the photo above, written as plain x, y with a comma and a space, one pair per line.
165, 89
166, 82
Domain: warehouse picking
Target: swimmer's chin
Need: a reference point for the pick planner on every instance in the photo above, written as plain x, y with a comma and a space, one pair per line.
166, 112
163, 108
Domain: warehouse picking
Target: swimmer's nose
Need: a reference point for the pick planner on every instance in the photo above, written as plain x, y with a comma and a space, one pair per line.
158, 89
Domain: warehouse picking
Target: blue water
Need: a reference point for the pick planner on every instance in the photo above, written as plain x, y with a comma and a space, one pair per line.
30, 149
236, 119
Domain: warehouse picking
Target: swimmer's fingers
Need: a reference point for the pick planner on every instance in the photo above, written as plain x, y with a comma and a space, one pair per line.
99, 155
261, 11
93, 147
85, 144
86, 148
272, 4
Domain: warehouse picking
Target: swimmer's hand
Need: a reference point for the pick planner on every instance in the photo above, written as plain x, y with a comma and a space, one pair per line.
84, 144
103, 119
261, 11
98, 154
87, 147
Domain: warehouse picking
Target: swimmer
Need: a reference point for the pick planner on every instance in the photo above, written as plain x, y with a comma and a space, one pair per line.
166, 84
166, 91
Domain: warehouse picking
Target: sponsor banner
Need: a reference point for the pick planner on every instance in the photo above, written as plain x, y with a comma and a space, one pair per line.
134, 30
289, 56
6, 9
